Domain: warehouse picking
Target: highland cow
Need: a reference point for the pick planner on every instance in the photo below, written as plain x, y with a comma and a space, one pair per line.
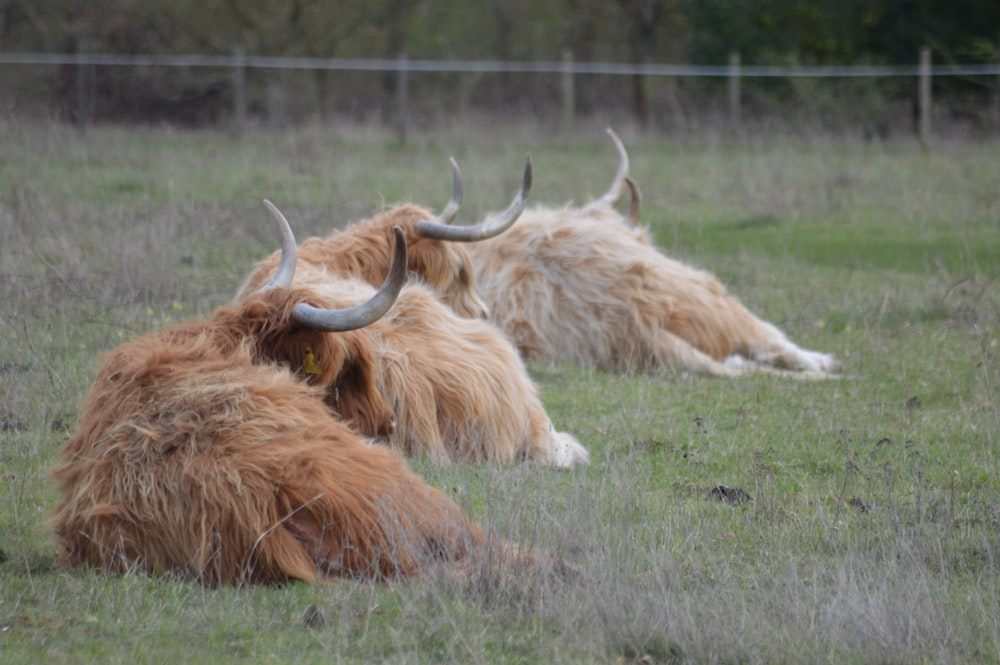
586, 285
203, 452
459, 389
436, 254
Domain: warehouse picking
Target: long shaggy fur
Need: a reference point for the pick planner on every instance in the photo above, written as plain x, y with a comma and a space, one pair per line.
364, 250
343, 365
203, 453
477, 402
583, 285
458, 387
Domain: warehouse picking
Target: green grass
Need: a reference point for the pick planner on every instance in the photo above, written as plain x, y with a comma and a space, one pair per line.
873, 529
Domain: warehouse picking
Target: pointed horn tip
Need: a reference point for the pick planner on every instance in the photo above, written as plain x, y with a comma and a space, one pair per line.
528, 176
285, 272
455, 171
456, 176
278, 216
273, 209
615, 139
447, 214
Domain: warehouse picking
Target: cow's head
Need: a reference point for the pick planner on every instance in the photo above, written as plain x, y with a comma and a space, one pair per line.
435, 251
301, 328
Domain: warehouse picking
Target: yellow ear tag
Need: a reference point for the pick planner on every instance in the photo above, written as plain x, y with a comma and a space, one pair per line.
310, 365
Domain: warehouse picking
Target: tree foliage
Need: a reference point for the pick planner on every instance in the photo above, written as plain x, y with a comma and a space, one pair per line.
705, 31
844, 32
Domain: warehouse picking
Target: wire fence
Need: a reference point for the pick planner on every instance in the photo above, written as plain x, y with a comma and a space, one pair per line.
403, 64
403, 70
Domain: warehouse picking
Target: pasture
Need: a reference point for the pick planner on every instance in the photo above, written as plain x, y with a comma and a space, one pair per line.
868, 526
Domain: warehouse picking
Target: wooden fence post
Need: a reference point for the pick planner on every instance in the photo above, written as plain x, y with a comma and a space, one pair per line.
568, 92
735, 110
402, 97
996, 93
239, 91
925, 94
83, 85
3, 104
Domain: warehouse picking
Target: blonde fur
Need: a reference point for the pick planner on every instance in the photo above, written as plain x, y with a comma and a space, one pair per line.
587, 285
364, 250
584, 285
458, 387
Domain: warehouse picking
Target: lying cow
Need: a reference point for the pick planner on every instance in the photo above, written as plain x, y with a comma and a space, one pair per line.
202, 453
436, 248
458, 387
583, 284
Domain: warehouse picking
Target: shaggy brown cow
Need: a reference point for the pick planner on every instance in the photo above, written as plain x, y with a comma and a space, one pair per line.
586, 285
362, 249
459, 389
203, 453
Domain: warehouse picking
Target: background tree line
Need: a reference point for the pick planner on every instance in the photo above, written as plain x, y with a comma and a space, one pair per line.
763, 32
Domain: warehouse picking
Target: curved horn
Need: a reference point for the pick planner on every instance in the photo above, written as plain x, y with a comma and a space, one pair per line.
447, 215
339, 320
635, 209
617, 190
286, 267
493, 227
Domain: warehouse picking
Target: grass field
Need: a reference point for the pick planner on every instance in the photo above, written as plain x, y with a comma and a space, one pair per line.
872, 533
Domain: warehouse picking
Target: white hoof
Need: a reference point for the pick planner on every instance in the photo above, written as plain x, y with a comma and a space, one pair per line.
567, 451
813, 361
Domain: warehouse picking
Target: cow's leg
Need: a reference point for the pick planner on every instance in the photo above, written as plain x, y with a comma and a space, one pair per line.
544, 445
767, 345
567, 450
560, 449
670, 350
766, 354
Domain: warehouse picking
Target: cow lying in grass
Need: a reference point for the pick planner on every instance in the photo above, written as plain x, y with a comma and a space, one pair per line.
436, 248
584, 284
203, 452
458, 387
